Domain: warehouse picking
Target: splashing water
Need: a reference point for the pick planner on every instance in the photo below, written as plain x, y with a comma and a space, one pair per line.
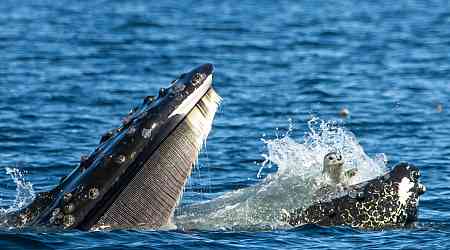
293, 186
304, 160
24, 191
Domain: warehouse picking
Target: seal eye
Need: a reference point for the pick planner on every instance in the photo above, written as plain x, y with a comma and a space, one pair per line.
197, 78
331, 157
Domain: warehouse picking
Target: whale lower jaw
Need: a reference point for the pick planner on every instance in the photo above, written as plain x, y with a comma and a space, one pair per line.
387, 201
152, 195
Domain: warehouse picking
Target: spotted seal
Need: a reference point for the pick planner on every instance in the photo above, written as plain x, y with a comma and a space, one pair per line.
333, 168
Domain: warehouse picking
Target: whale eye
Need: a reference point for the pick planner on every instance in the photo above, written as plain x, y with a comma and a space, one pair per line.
197, 78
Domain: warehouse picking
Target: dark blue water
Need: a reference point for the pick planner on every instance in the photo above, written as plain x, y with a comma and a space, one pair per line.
70, 70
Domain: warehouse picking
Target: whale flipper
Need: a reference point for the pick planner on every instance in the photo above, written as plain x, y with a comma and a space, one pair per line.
387, 201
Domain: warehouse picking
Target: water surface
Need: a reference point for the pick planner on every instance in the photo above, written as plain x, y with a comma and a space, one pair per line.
70, 70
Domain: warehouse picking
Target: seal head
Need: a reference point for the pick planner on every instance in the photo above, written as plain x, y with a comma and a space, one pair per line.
333, 166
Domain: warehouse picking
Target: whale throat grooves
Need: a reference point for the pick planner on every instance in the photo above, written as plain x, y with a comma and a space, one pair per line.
150, 198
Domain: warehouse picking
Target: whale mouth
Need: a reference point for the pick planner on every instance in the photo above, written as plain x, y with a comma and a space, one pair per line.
136, 176
150, 198
151, 195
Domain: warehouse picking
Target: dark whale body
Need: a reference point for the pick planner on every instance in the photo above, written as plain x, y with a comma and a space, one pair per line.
135, 177
384, 202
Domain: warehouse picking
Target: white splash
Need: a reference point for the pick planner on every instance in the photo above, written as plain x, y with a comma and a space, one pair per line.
293, 186
305, 159
24, 191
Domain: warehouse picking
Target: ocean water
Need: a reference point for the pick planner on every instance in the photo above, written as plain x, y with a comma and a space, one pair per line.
70, 70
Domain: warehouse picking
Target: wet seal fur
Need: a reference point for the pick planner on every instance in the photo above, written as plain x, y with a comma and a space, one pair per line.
136, 176
387, 201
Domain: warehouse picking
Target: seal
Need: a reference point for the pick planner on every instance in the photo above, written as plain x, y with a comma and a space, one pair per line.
333, 168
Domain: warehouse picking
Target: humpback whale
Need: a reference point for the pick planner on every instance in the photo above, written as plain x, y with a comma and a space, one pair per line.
135, 177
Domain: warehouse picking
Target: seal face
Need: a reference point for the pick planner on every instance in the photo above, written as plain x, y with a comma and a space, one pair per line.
332, 166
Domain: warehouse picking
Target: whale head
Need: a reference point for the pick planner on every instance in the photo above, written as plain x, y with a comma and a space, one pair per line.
135, 177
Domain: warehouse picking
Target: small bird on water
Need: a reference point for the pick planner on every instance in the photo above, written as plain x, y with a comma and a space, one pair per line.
344, 112
439, 108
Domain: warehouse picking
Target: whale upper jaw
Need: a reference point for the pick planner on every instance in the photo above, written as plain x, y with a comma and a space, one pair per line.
387, 201
136, 175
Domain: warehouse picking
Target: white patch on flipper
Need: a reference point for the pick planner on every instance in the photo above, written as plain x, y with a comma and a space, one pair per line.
403, 190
